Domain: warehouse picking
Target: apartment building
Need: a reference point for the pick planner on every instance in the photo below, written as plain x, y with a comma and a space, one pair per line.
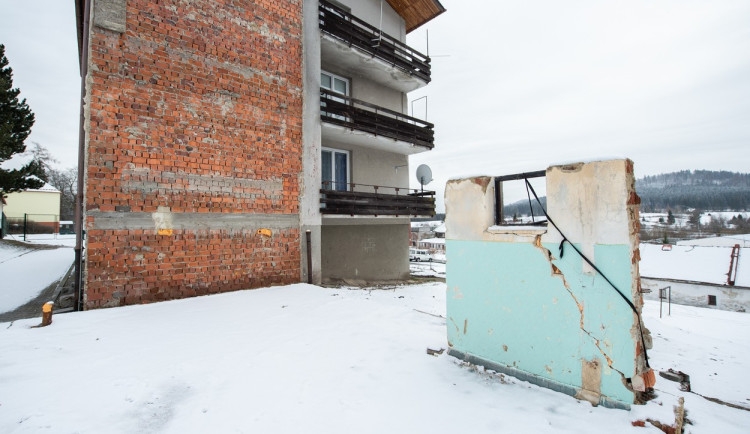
216, 134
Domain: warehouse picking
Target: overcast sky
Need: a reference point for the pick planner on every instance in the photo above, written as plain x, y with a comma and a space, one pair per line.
526, 84
517, 85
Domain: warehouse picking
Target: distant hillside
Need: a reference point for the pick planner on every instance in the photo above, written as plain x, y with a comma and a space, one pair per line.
678, 191
701, 189
521, 208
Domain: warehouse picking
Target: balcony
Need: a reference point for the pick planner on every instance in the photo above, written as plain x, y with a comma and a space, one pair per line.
372, 200
359, 47
354, 121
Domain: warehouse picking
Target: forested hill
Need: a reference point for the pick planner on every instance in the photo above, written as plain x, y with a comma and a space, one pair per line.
678, 191
702, 189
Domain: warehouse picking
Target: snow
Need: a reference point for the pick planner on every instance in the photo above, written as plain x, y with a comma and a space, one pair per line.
46, 188
651, 219
726, 241
517, 227
433, 240
26, 271
428, 224
695, 263
707, 217
67, 240
712, 347
428, 269
333, 360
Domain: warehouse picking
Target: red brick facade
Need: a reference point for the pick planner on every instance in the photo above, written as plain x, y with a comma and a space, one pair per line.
194, 113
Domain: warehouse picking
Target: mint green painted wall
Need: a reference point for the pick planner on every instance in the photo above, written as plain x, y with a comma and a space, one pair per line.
504, 305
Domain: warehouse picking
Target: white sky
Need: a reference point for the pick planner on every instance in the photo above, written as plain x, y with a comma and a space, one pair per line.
527, 84
42, 48
517, 85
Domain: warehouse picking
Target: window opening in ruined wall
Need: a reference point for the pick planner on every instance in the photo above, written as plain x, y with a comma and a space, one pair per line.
516, 204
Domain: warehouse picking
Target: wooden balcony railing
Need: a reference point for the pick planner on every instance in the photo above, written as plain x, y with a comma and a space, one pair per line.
349, 29
363, 116
360, 199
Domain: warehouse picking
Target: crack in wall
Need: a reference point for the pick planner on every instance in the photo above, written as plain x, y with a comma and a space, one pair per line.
557, 273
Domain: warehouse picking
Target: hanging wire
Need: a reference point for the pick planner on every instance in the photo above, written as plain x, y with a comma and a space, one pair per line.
588, 261
531, 208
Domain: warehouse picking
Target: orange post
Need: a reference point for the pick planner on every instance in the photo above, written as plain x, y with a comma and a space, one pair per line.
46, 314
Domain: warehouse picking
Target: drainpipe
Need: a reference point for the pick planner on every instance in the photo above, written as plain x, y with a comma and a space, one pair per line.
84, 56
308, 237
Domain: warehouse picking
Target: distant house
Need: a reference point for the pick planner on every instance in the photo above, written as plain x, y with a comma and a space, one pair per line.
424, 230
434, 245
39, 207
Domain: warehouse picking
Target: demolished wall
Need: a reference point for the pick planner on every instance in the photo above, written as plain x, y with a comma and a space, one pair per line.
518, 305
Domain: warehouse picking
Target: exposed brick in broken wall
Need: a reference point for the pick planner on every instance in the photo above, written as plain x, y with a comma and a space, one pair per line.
193, 142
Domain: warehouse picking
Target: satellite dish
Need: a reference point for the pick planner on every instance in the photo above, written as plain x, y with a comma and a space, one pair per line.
424, 174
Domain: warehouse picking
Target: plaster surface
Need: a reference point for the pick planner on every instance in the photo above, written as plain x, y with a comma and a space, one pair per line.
515, 300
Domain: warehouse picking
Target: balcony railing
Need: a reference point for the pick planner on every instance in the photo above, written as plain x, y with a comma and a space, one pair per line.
363, 116
349, 29
361, 199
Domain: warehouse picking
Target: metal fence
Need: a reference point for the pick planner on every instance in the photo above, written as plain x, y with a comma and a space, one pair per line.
38, 226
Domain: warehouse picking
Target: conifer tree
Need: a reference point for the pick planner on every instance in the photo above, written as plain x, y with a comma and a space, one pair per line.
16, 120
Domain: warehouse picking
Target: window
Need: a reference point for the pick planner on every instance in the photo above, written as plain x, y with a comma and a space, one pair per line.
522, 208
336, 84
335, 168
712, 300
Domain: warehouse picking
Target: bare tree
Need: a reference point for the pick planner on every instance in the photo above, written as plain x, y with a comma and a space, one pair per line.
67, 182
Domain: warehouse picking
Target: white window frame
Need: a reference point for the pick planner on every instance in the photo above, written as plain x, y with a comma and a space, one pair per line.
336, 76
333, 164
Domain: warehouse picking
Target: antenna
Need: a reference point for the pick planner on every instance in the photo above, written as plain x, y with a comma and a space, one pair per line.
424, 175
425, 106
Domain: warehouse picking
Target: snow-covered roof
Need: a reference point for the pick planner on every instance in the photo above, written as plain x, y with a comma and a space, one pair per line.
725, 241
431, 224
440, 229
695, 263
433, 240
46, 188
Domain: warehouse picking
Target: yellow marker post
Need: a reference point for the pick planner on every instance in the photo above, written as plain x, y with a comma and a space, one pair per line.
46, 314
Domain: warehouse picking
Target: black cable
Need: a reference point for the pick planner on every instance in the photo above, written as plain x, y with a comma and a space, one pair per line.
531, 208
588, 261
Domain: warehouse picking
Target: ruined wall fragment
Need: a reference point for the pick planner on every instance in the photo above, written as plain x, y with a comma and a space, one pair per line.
517, 304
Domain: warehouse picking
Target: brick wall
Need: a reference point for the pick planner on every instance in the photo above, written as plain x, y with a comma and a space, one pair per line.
193, 129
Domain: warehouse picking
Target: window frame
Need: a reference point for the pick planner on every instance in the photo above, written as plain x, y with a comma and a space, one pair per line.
334, 77
333, 166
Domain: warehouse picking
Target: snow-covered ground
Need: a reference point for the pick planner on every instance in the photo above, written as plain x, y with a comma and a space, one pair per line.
726, 241
428, 269
27, 270
302, 358
67, 240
